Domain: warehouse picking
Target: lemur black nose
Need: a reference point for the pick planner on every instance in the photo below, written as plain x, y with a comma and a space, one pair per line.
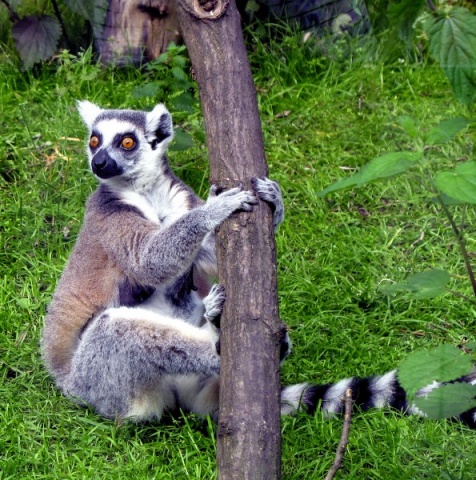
104, 166
98, 163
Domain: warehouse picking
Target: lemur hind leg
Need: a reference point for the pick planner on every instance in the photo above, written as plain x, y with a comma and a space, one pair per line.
129, 359
213, 303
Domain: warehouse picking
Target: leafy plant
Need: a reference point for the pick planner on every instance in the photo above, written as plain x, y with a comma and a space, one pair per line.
444, 365
37, 34
451, 33
172, 81
449, 30
449, 187
452, 43
454, 187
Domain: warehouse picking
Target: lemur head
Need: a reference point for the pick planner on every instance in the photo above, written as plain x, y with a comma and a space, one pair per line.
126, 145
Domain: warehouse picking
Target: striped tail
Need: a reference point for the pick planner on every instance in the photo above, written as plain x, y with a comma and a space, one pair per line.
381, 391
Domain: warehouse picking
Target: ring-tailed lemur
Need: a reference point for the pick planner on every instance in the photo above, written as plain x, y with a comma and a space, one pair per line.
126, 332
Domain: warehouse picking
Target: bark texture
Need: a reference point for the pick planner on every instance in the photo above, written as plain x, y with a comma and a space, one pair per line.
249, 425
136, 31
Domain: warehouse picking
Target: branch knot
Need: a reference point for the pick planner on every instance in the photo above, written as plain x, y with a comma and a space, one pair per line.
205, 9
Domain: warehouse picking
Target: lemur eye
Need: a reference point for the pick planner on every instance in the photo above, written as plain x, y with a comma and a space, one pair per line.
94, 141
128, 143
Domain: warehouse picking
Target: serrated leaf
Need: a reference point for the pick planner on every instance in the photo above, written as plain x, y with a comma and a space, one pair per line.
408, 124
441, 364
421, 285
448, 400
81, 7
446, 130
180, 61
403, 14
452, 43
182, 140
386, 166
36, 38
92, 10
183, 102
460, 184
178, 73
148, 90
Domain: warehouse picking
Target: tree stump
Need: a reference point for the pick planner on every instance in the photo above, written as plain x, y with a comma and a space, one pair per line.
137, 31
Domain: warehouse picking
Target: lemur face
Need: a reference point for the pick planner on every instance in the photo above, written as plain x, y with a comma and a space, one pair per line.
125, 144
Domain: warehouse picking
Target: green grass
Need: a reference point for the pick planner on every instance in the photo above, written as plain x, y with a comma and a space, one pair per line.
333, 254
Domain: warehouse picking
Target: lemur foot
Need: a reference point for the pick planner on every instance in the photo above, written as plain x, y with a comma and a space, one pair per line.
213, 303
269, 191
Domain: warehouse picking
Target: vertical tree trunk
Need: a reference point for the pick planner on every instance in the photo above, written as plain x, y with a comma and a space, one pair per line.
249, 425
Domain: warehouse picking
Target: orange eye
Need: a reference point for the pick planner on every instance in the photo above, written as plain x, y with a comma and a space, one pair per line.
93, 141
128, 143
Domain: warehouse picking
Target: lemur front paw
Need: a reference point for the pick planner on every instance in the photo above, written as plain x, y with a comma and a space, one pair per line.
269, 191
220, 205
213, 303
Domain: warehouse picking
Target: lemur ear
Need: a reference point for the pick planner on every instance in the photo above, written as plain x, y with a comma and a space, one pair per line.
88, 111
159, 127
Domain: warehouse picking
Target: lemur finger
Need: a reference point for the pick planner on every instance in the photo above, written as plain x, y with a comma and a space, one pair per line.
270, 192
231, 192
266, 189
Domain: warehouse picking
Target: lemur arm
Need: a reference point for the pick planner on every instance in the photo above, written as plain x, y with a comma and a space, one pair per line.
150, 254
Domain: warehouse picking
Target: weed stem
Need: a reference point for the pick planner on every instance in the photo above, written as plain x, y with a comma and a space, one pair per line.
344, 438
459, 237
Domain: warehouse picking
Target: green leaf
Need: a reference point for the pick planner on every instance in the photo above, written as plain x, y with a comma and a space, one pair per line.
452, 43
148, 90
94, 11
408, 124
448, 400
179, 73
446, 130
183, 102
252, 6
441, 364
182, 140
385, 166
403, 15
36, 38
24, 302
446, 200
459, 184
81, 7
428, 284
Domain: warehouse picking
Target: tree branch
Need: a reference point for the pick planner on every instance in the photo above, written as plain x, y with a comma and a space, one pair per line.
249, 442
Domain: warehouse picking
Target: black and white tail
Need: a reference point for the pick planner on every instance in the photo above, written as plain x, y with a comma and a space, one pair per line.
381, 391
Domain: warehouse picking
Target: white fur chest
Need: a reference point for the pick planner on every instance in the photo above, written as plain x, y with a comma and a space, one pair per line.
163, 205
